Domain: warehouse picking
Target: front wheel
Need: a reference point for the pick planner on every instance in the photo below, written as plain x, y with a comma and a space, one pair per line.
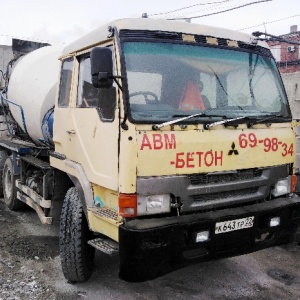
9, 186
77, 257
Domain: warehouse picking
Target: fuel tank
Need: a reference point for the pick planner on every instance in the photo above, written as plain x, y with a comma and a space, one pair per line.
32, 89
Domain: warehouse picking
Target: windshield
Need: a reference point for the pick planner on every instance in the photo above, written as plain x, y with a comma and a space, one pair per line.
167, 81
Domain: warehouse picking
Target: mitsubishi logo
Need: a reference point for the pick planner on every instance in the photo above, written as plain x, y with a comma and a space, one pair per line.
233, 151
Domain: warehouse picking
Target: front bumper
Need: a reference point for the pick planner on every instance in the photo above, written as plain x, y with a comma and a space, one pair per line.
152, 247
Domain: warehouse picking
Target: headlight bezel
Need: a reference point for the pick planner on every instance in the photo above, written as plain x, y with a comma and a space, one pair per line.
153, 204
282, 187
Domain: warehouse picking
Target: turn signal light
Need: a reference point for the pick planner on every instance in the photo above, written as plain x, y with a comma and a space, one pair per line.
293, 183
128, 205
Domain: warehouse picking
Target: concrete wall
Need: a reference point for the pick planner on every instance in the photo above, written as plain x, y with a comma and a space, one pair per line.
6, 55
292, 85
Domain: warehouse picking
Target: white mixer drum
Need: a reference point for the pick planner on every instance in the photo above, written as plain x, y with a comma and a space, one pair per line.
32, 87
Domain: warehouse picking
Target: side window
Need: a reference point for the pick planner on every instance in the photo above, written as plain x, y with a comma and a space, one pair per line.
104, 99
65, 83
87, 95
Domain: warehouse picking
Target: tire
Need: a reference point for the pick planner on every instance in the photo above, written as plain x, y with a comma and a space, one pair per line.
77, 257
3, 157
9, 186
297, 236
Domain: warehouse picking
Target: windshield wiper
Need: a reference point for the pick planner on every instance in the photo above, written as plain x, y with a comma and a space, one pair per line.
267, 118
207, 126
202, 114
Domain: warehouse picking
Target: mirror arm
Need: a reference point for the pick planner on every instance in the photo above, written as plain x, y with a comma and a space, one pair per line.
114, 77
123, 124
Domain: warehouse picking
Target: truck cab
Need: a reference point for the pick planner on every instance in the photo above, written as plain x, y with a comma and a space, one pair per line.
178, 143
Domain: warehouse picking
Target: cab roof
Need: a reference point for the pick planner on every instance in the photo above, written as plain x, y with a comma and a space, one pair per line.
101, 33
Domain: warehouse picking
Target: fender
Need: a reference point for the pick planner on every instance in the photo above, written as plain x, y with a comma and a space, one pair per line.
82, 184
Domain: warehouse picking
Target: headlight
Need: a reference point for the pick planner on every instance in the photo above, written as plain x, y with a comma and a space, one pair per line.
282, 187
153, 204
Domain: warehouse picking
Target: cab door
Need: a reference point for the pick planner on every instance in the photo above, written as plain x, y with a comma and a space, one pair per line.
61, 127
92, 127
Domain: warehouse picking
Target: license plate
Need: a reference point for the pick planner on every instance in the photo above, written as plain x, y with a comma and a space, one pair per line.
232, 225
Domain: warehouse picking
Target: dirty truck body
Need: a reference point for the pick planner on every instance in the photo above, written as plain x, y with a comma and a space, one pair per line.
168, 143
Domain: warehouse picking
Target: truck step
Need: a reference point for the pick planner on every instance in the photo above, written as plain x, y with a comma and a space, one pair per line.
107, 246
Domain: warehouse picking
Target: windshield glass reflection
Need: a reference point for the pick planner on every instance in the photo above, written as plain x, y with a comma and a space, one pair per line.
166, 81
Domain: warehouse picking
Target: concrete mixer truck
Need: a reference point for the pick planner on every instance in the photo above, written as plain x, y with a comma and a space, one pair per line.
164, 143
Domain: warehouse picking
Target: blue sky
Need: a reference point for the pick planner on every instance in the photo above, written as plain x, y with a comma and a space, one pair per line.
62, 21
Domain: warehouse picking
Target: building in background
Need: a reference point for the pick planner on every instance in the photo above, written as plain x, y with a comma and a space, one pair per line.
8, 53
287, 55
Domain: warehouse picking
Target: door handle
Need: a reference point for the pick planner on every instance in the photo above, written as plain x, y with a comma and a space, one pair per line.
71, 131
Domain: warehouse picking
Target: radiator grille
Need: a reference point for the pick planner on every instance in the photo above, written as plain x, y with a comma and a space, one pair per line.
196, 179
227, 189
225, 195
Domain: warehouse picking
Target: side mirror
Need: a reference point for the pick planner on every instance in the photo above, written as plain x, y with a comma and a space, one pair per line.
102, 67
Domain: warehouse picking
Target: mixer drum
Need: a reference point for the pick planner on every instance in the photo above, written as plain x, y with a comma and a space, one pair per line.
32, 87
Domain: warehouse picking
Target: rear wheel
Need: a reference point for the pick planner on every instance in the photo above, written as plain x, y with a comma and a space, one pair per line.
9, 186
77, 257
